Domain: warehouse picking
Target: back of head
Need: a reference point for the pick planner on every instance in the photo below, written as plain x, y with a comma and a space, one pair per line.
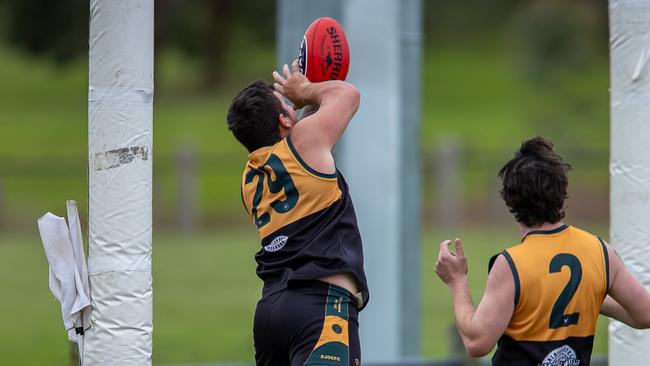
253, 116
535, 183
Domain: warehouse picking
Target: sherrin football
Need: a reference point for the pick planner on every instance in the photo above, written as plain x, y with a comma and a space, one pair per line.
324, 52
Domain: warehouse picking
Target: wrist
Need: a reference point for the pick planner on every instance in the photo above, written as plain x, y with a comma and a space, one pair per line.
309, 93
458, 282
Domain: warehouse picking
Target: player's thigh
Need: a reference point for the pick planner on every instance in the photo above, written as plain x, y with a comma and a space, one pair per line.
331, 335
270, 350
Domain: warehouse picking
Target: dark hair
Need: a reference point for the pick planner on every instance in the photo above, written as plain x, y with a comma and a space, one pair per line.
253, 116
535, 183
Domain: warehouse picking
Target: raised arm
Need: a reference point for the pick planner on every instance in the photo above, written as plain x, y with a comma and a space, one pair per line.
628, 300
481, 327
315, 135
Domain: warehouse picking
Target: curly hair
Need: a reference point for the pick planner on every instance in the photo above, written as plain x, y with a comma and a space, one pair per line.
253, 116
535, 183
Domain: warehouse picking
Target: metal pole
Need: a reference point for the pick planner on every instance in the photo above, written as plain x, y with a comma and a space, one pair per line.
379, 155
630, 161
120, 111
293, 18
447, 181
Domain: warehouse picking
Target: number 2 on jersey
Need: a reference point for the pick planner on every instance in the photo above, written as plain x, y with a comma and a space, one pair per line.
282, 181
558, 318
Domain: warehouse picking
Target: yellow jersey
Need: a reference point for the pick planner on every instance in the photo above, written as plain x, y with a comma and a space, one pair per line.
305, 220
561, 278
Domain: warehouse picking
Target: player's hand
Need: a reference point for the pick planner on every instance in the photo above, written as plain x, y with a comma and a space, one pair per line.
450, 266
292, 85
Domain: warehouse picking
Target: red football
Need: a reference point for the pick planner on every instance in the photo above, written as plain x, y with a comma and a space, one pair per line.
324, 52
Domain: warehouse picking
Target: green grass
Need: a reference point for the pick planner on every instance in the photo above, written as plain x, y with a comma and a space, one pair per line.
205, 294
476, 94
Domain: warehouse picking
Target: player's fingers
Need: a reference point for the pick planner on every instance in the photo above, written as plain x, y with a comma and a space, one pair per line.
459, 248
286, 70
439, 258
278, 88
278, 77
294, 66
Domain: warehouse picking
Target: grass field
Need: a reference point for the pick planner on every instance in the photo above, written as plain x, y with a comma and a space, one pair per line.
205, 294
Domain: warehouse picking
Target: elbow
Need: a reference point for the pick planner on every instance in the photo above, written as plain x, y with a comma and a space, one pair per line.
355, 97
478, 348
352, 94
478, 352
640, 319
642, 323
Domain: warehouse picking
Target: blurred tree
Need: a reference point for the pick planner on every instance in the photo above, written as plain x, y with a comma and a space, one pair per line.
57, 29
454, 21
556, 35
561, 48
206, 29
210, 29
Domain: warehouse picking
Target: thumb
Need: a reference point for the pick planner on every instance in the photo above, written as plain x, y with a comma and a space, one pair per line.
444, 247
295, 68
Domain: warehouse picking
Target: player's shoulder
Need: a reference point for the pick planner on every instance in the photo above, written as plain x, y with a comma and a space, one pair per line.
587, 239
312, 158
260, 156
501, 259
574, 230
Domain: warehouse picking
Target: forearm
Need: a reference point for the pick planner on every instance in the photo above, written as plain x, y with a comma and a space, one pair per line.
324, 92
463, 310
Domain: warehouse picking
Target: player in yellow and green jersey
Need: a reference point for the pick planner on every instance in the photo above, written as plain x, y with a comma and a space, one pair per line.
311, 255
544, 294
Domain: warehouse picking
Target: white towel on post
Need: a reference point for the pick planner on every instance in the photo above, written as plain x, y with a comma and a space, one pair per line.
68, 273
76, 239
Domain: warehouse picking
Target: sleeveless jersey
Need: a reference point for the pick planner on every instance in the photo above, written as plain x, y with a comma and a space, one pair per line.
561, 278
305, 220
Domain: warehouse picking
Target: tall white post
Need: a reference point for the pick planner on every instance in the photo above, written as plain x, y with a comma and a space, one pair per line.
379, 155
630, 161
120, 111
293, 18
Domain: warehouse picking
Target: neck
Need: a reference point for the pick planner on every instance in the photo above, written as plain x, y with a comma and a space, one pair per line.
545, 226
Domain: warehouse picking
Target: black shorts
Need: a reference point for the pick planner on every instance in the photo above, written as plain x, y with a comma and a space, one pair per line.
309, 323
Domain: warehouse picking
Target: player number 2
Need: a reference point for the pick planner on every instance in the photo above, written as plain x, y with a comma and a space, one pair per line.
558, 317
282, 182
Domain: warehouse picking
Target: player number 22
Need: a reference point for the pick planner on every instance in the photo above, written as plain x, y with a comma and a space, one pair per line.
558, 317
282, 182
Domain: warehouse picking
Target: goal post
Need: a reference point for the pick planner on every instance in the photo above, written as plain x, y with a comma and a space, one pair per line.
630, 161
120, 113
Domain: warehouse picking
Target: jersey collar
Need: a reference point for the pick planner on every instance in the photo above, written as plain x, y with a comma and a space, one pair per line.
545, 232
259, 156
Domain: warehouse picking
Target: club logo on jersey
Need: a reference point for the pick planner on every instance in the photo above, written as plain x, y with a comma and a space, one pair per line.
277, 243
330, 358
562, 356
